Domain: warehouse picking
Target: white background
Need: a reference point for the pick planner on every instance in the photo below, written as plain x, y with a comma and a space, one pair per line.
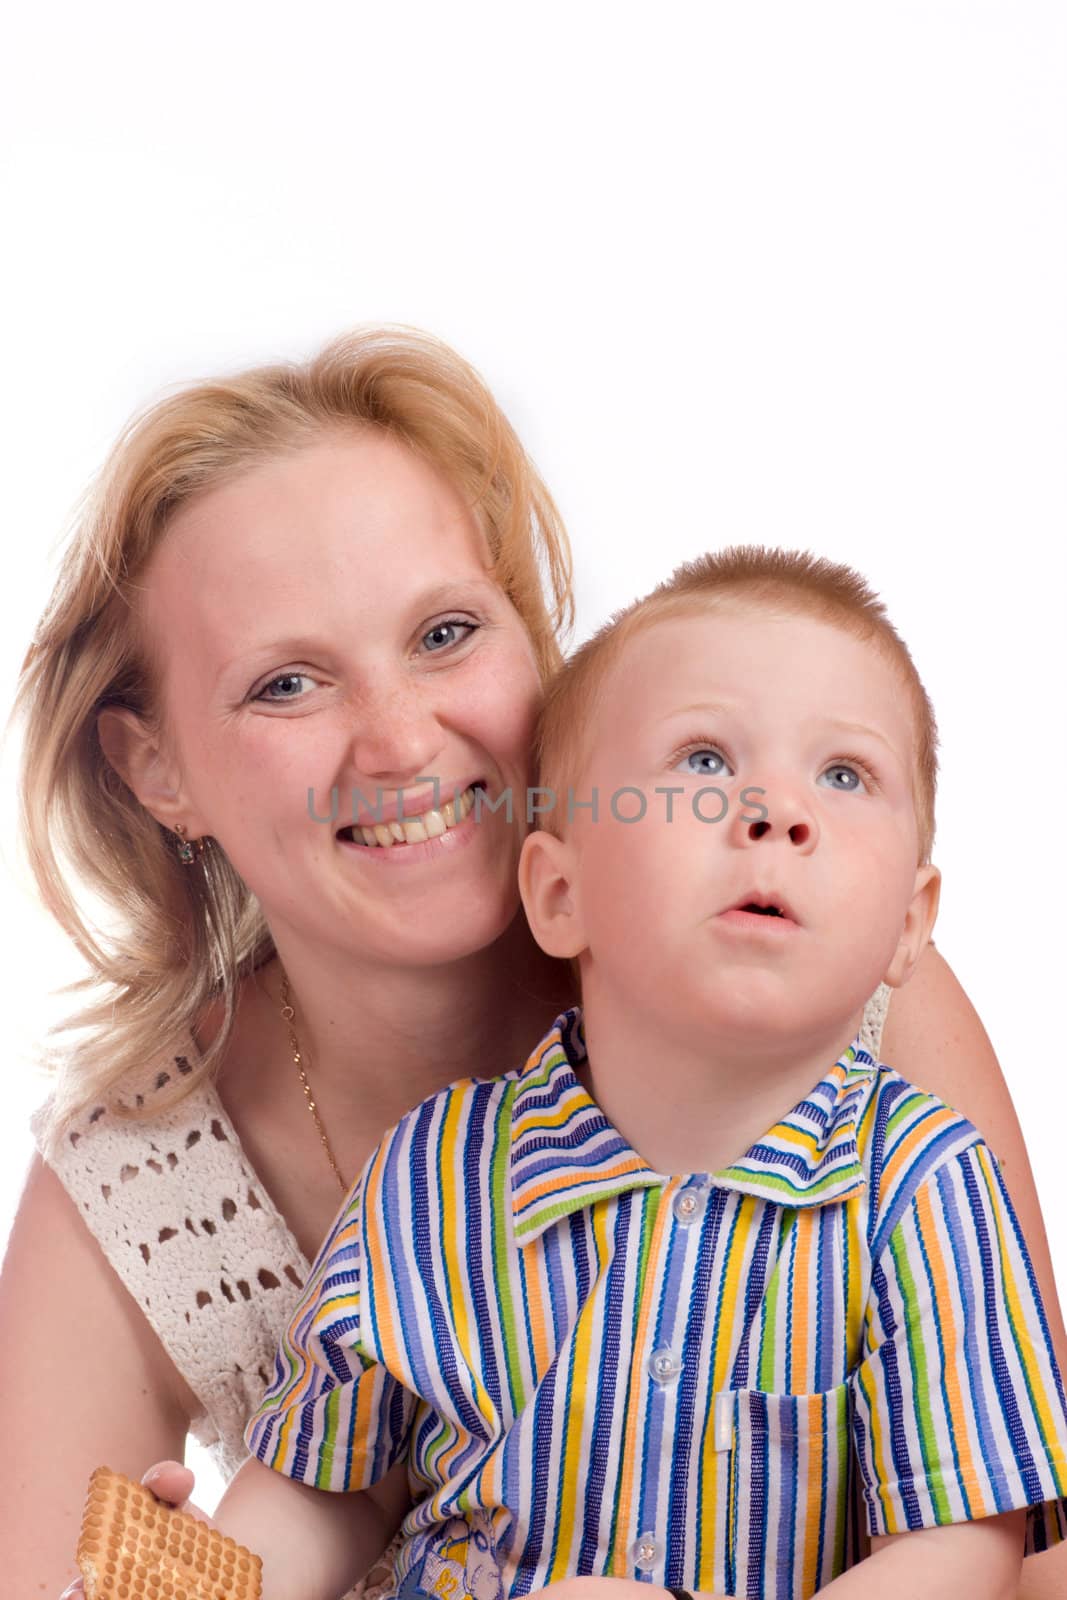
763, 271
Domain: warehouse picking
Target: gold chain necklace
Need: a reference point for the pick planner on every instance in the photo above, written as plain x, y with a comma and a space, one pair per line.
288, 1014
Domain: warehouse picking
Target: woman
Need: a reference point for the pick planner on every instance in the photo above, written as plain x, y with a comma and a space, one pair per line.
290, 586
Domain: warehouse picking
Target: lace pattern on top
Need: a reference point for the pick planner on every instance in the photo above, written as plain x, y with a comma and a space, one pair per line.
195, 1238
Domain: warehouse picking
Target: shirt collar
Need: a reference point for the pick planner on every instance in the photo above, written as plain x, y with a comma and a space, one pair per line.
565, 1154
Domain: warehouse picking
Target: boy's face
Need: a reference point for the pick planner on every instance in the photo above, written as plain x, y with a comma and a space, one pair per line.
731, 700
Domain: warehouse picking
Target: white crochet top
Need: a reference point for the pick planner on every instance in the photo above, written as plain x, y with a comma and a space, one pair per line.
196, 1239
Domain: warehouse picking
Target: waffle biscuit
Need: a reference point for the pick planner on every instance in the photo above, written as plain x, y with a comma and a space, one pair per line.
132, 1547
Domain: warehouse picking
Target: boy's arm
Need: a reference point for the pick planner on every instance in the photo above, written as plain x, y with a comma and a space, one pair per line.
982, 1560
314, 1544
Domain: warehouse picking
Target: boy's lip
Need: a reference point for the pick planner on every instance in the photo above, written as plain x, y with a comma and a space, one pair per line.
766, 898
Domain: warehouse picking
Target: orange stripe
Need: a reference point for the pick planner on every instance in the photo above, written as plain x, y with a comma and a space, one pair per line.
920, 1135
378, 1267
532, 1260
945, 1317
528, 1195
801, 1380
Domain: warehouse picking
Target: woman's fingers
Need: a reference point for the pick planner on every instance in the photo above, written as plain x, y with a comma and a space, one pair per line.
171, 1482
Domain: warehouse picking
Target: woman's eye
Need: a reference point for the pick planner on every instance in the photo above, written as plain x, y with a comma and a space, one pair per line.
843, 778
706, 762
286, 681
442, 634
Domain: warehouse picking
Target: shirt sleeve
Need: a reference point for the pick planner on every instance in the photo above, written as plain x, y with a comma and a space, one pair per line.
958, 1404
333, 1417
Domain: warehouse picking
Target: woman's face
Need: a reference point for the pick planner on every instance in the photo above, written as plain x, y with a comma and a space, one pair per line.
327, 622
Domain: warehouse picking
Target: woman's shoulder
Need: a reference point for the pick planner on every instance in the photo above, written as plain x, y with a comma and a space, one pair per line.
182, 1217
874, 1015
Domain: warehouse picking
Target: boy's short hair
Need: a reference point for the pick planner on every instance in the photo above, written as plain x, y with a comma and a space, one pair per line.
790, 582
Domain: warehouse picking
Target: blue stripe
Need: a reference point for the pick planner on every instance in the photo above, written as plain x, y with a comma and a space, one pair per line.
1009, 1404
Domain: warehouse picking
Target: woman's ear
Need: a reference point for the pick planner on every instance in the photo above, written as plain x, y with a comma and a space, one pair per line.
138, 755
918, 926
546, 877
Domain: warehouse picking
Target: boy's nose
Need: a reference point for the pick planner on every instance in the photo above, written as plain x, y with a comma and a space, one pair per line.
786, 817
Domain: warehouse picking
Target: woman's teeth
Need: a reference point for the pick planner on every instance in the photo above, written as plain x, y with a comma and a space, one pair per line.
416, 830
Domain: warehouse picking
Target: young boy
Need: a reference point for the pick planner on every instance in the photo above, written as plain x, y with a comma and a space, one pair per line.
624, 1313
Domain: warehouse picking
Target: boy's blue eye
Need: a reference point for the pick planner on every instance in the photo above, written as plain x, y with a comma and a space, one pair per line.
442, 634
850, 780
707, 762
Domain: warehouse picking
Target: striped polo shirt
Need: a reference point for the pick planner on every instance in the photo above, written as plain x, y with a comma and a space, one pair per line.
713, 1381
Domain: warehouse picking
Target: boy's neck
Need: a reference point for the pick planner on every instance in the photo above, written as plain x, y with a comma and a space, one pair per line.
697, 1104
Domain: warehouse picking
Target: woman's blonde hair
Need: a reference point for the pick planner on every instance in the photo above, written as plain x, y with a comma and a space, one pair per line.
182, 938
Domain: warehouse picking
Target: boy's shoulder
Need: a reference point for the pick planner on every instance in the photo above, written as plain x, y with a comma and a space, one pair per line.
905, 1136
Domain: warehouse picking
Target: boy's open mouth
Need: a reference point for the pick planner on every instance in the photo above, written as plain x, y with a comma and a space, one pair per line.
770, 906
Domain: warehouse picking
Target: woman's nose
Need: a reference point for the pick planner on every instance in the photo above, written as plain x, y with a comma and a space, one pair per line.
397, 736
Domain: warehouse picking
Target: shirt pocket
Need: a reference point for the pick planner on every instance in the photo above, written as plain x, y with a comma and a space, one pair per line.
789, 1488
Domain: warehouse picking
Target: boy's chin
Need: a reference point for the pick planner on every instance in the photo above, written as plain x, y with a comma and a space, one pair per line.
759, 1015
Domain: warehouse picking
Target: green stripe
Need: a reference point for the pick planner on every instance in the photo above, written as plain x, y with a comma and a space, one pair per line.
921, 1377
769, 1310
500, 1211
852, 1175
905, 1109
650, 1201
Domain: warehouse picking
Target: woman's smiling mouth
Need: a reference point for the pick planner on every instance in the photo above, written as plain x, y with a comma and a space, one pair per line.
401, 831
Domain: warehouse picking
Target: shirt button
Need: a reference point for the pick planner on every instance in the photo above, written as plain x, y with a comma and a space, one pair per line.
688, 1204
664, 1366
646, 1552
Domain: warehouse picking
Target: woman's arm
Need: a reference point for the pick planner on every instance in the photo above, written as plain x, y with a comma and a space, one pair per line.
934, 1037
86, 1382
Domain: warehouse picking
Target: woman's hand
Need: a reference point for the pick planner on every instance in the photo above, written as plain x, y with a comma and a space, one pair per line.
172, 1484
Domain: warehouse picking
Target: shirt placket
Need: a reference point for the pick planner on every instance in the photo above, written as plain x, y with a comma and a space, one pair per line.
659, 1364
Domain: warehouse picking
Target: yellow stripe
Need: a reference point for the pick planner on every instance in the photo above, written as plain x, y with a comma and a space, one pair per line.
586, 1372
857, 1251
722, 1356
881, 1471
537, 1119
1020, 1328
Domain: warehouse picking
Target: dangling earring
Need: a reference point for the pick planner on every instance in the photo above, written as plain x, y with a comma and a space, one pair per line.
186, 853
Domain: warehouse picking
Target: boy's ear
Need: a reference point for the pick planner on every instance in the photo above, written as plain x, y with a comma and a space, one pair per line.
918, 926
138, 755
546, 877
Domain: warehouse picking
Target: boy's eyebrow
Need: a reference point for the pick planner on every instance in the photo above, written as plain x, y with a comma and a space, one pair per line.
841, 726
716, 707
